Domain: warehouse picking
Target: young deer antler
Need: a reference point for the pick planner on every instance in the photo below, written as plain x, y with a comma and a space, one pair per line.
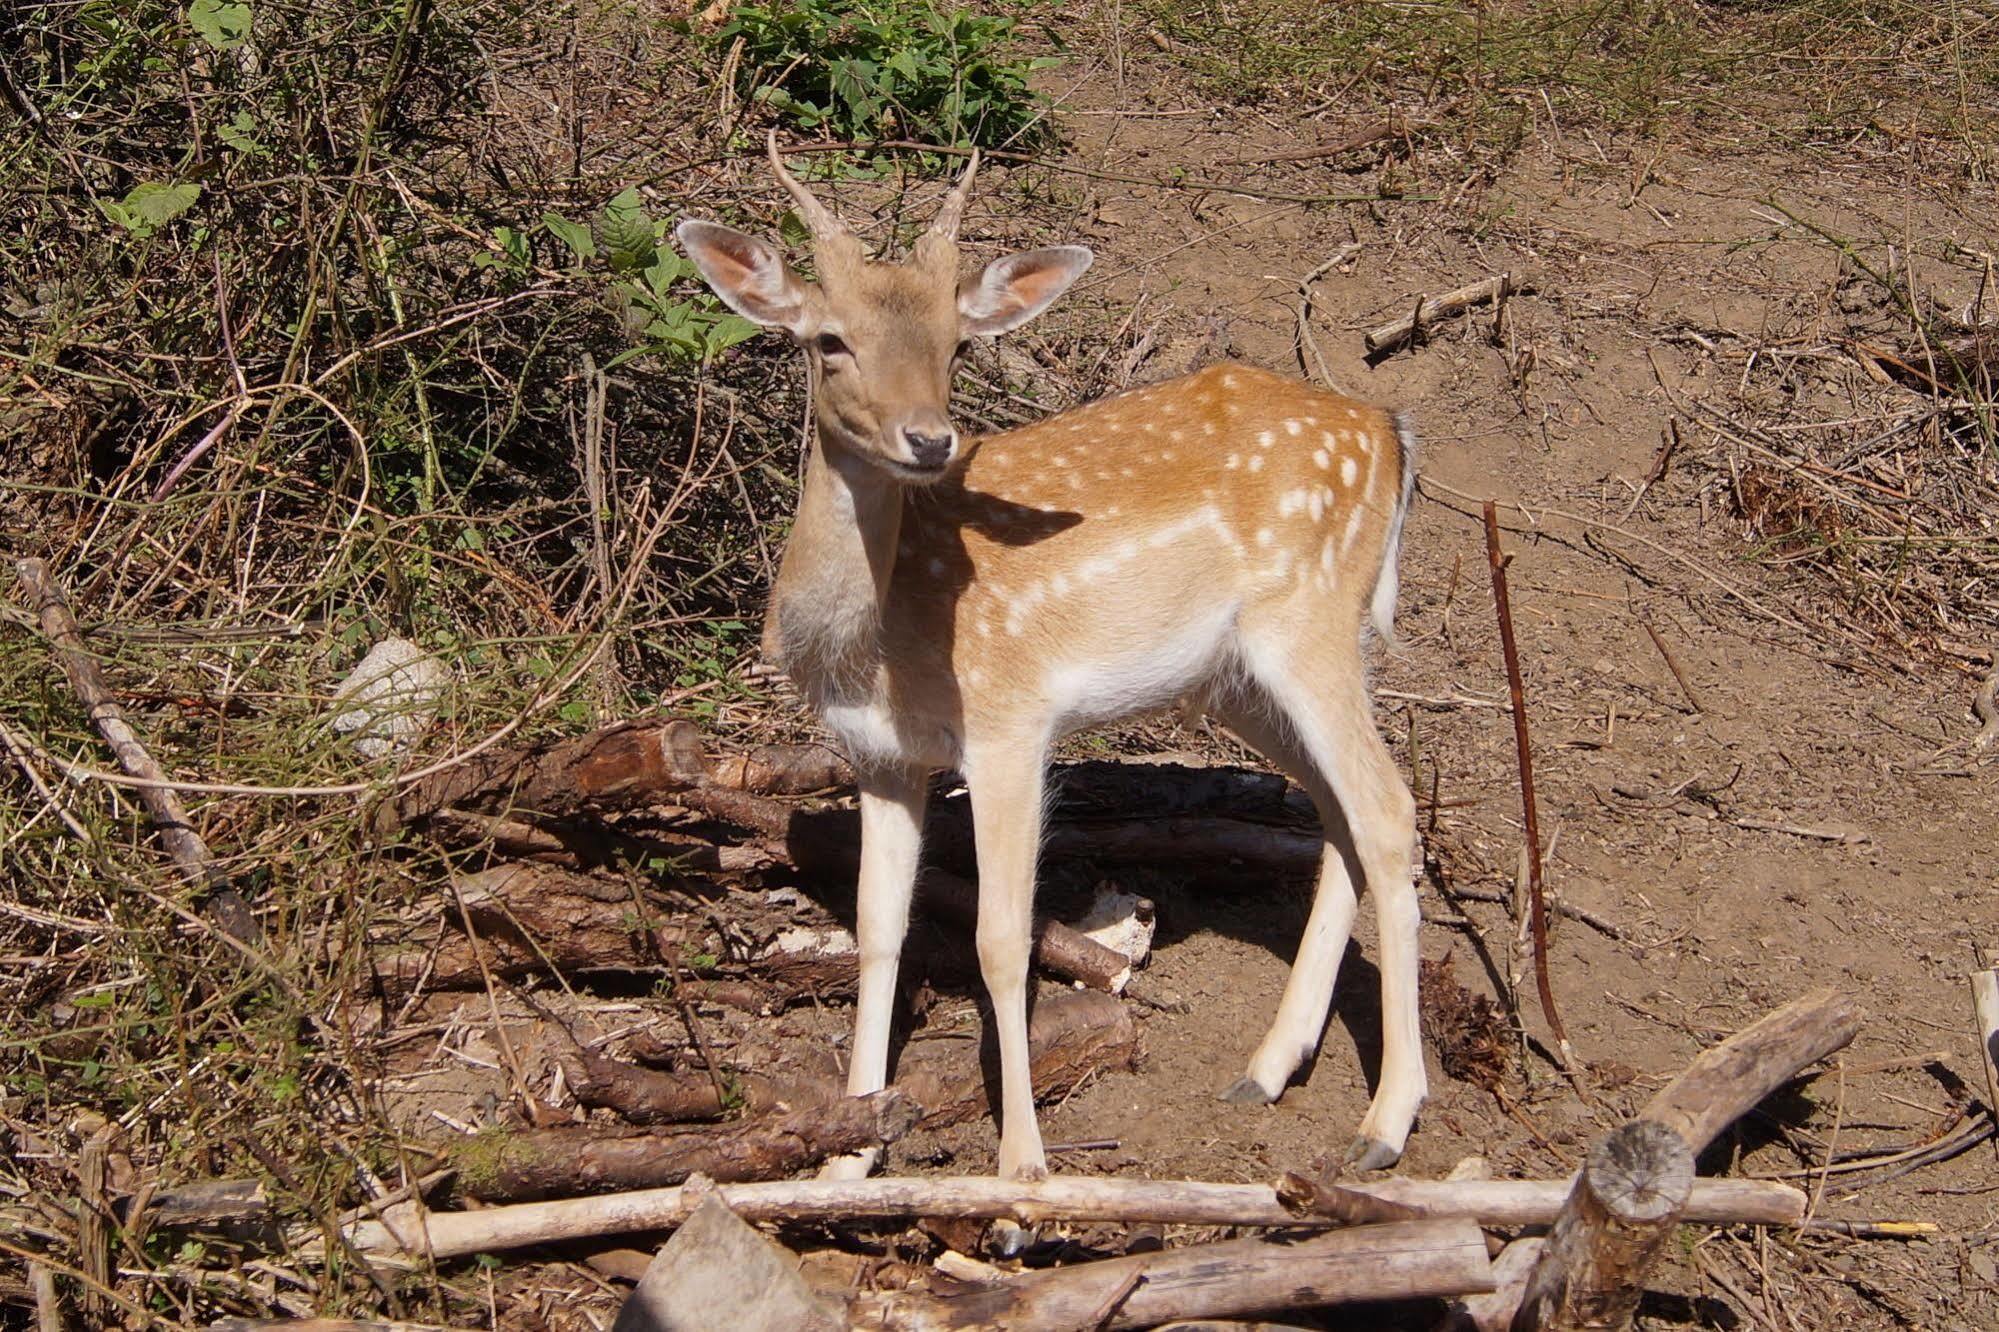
950, 603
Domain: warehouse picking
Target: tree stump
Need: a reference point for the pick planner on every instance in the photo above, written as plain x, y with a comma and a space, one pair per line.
1611, 1231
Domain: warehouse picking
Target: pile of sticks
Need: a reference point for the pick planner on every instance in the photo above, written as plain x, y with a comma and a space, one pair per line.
1326, 1242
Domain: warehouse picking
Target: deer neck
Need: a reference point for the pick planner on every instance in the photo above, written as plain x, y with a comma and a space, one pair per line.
827, 605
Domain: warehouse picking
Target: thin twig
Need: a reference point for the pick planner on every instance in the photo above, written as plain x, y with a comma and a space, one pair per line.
1530, 813
1673, 665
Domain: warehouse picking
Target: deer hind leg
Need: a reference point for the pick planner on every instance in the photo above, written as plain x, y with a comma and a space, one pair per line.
1316, 686
1006, 778
892, 805
1308, 994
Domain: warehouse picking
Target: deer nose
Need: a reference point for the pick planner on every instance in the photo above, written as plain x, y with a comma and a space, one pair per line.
929, 451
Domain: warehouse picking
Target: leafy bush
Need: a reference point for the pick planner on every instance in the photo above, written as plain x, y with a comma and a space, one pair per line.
898, 68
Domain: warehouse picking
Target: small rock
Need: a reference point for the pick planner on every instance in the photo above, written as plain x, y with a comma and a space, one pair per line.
392, 694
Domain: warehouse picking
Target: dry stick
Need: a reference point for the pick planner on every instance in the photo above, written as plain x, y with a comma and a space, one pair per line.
1305, 338
224, 905
1394, 1262
1985, 1005
1613, 1229
1493, 1310
1428, 309
93, 1227
1519, 696
48, 1305
1728, 1080
405, 1228
1673, 665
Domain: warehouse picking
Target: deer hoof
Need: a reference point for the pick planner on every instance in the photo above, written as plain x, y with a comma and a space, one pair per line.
1371, 1154
1246, 1091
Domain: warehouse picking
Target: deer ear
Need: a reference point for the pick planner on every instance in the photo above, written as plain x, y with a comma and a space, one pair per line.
1015, 289
749, 275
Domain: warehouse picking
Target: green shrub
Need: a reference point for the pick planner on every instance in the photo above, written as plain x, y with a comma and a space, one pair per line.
893, 69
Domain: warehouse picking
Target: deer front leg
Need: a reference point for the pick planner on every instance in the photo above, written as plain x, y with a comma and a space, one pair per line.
891, 844
1006, 785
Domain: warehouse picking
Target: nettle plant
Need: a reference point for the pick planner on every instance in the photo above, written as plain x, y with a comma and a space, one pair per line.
660, 293
886, 69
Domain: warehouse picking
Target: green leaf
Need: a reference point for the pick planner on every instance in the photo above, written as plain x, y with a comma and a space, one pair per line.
223, 24
573, 234
149, 206
729, 330
240, 134
628, 232
792, 230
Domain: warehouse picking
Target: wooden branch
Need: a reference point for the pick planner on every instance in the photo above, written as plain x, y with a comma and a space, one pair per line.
1314, 1199
1493, 1310
1726, 1082
1523, 753
623, 764
1428, 309
1187, 840
565, 1162
530, 919
647, 1096
1410, 1260
222, 903
1985, 1008
1059, 949
1071, 1036
1487, 1202
1612, 1230
205, 1202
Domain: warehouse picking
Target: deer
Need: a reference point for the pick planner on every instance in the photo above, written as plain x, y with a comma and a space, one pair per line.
952, 602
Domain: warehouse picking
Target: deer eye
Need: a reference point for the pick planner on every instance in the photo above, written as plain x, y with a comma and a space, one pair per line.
831, 345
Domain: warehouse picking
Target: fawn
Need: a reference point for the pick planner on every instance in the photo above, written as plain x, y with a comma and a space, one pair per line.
954, 602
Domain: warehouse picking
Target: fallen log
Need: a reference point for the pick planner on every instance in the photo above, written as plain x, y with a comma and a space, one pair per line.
1409, 1260
1637, 1183
1071, 1036
507, 1166
647, 1096
529, 919
1493, 1310
411, 1229
1612, 1230
1727, 1081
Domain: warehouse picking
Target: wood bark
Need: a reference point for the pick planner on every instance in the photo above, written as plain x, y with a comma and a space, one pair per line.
528, 919
1408, 1260
1727, 1081
1430, 308
1494, 1310
1074, 1198
1613, 1228
1071, 1036
624, 764
583, 1159
646, 1096
1985, 1009
222, 903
